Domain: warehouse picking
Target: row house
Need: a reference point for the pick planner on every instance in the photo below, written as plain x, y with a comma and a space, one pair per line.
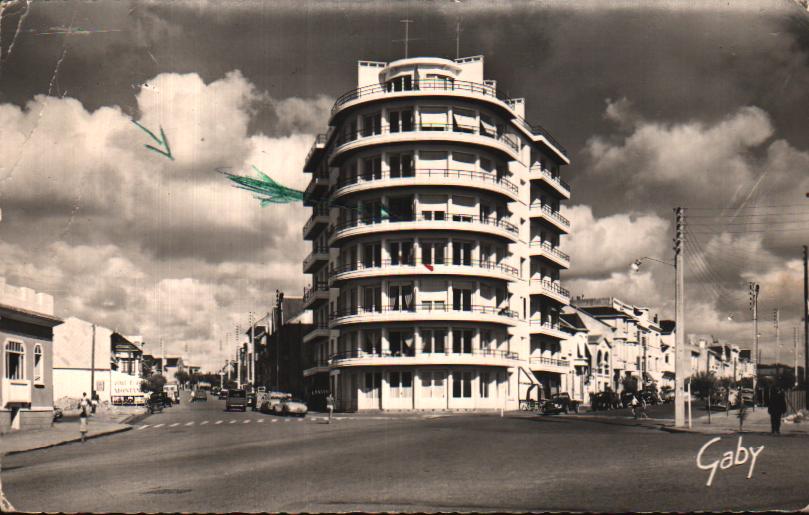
26, 335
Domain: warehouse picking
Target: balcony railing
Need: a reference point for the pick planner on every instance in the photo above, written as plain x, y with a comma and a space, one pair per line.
310, 291
314, 255
549, 361
551, 287
541, 131
319, 210
410, 353
474, 175
550, 177
544, 245
553, 214
349, 136
546, 324
448, 217
424, 308
320, 142
386, 263
421, 85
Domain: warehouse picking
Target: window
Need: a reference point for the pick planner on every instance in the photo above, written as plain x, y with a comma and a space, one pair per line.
39, 365
371, 211
401, 208
372, 298
401, 120
484, 385
463, 120
462, 299
400, 297
433, 340
432, 252
372, 168
15, 360
401, 253
433, 207
372, 255
432, 384
401, 384
401, 343
401, 165
462, 341
462, 385
433, 160
373, 383
433, 118
402, 83
462, 253
487, 127
372, 124
464, 160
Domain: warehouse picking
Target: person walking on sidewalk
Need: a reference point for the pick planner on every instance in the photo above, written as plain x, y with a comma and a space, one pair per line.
634, 405
84, 412
643, 408
776, 409
94, 402
330, 405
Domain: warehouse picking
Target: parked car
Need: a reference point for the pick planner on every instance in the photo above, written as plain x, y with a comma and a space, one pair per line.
156, 402
552, 407
215, 391
568, 405
237, 399
268, 401
223, 394
746, 396
199, 395
667, 395
293, 407
57, 414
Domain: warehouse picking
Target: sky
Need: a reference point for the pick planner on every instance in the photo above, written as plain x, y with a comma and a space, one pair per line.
660, 104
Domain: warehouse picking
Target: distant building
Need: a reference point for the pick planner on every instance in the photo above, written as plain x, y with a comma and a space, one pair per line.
82, 360
281, 362
589, 351
26, 330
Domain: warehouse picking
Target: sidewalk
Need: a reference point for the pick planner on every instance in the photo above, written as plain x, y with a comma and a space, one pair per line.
757, 421
65, 431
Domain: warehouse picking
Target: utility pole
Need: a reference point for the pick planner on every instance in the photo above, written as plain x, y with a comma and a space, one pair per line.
238, 358
93, 365
252, 350
795, 345
754, 289
680, 364
279, 296
776, 316
806, 318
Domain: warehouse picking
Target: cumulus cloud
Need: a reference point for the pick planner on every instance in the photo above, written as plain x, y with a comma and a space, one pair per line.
599, 246
130, 239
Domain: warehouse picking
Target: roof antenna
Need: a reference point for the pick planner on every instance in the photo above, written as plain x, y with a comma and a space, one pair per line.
458, 43
407, 33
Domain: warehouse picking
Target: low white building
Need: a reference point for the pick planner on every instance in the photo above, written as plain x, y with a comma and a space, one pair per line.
81, 360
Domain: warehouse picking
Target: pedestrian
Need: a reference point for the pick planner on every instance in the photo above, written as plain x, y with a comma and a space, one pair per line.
634, 405
777, 407
643, 408
330, 405
84, 411
94, 402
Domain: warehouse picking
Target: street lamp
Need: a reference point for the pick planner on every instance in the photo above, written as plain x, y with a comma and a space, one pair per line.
635, 265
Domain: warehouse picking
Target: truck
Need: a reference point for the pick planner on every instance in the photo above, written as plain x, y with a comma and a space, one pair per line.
172, 390
237, 399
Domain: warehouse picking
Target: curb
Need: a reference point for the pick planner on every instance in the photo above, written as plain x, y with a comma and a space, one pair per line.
72, 440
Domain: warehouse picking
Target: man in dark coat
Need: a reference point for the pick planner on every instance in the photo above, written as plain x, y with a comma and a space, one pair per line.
776, 409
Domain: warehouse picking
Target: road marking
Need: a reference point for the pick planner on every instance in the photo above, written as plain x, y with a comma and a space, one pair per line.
190, 423
143, 427
260, 420
274, 420
203, 422
299, 420
246, 421
232, 421
286, 420
218, 421
159, 425
175, 424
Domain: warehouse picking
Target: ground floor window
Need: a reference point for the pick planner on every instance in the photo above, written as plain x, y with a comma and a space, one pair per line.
401, 384
15, 360
462, 385
373, 383
432, 384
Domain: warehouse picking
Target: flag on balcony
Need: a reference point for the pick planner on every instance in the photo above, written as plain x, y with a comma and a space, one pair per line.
429, 267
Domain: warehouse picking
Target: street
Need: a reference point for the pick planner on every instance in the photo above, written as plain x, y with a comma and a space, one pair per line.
196, 457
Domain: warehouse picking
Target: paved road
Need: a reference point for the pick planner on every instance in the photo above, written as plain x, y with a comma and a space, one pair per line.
174, 462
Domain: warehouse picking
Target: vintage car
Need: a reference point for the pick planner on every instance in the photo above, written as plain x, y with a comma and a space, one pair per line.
237, 399
267, 401
199, 395
156, 402
560, 403
292, 407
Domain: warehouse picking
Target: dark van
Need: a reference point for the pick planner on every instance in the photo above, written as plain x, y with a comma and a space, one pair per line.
237, 399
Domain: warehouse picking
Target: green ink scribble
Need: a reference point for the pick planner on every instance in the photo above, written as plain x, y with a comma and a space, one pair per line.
163, 141
269, 192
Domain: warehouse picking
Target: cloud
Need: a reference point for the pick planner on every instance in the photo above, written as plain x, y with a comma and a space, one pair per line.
598, 246
132, 240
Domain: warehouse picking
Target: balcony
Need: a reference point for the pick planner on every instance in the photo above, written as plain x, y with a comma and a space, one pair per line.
317, 148
319, 256
544, 364
547, 328
320, 330
451, 222
549, 289
318, 220
425, 312
545, 212
439, 132
16, 391
428, 177
553, 254
315, 295
386, 268
405, 357
316, 367
556, 183
316, 190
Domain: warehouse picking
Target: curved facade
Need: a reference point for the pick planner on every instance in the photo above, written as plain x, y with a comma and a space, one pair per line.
435, 227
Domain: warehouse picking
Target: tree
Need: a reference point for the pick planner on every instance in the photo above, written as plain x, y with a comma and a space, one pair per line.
630, 384
154, 383
703, 383
182, 377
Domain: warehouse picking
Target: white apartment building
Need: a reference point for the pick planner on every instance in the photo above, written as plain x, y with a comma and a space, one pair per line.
435, 228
